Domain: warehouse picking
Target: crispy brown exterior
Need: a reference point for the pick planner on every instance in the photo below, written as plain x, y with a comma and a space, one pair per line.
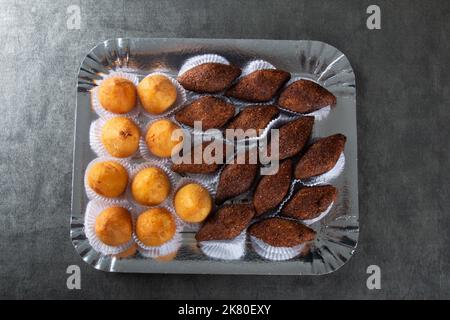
228, 222
254, 117
309, 203
272, 189
209, 77
235, 179
279, 232
305, 96
211, 111
320, 157
293, 136
259, 86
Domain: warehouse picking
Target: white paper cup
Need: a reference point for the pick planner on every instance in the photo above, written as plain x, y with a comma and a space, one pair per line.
201, 59
225, 249
275, 253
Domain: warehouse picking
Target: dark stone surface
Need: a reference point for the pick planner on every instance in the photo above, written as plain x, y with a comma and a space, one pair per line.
403, 115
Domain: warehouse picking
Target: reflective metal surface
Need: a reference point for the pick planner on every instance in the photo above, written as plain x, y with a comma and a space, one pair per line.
337, 233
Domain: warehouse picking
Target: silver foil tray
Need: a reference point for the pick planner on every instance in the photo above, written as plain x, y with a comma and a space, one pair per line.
337, 233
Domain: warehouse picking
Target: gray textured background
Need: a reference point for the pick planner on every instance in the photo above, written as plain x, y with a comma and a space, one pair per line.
403, 133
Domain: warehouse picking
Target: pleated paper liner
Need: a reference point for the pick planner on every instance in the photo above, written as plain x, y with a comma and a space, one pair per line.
201, 59
225, 249
276, 253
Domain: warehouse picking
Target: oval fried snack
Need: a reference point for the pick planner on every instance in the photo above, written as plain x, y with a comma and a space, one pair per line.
293, 136
320, 157
272, 189
235, 179
259, 86
310, 202
209, 77
279, 232
211, 111
305, 96
227, 223
254, 117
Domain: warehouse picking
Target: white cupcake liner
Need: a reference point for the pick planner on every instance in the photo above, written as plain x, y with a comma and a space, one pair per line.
93, 209
255, 65
319, 217
275, 253
201, 59
189, 226
180, 101
155, 253
166, 248
160, 165
102, 112
144, 150
92, 195
327, 176
319, 114
95, 134
225, 249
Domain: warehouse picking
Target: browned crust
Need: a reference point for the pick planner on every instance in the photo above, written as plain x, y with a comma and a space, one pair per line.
213, 112
310, 202
305, 96
235, 179
254, 117
259, 86
320, 157
209, 77
279, 232
272, 189
228, 222
293, 136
